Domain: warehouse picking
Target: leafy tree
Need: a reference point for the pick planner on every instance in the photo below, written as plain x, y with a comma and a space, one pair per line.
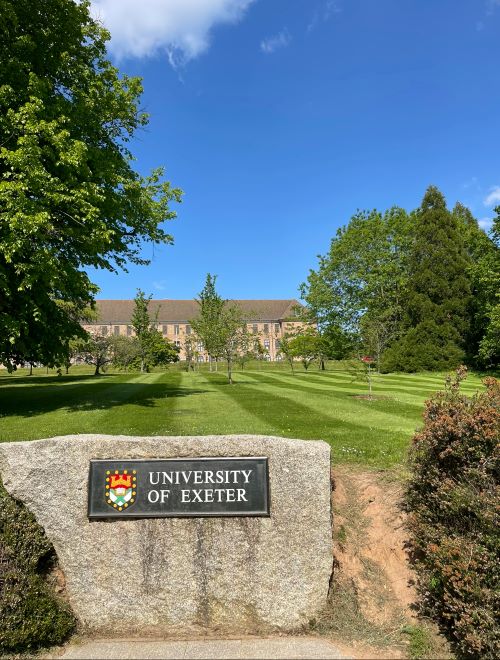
286, 349
141, 323
306, 346
97, 351
125, 352
159, 351
190, 350
152, 348
250, 348
484, 273
438, 298
220, 326
361, 369
70, 198
358, 290
233, 336
208, 322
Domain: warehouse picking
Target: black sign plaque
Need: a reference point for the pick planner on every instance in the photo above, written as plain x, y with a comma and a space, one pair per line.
178, 488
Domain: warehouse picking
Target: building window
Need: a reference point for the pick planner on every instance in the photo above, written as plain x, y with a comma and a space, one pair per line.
188, 329
117, 329
176, 330
177, 343
104, 330
266, 344
201, 358
129, 330
277, 343
266, 328
199, 347
164, 329
255, 328
276, 328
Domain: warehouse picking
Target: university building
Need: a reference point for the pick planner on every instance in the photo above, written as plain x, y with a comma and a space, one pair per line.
268, 320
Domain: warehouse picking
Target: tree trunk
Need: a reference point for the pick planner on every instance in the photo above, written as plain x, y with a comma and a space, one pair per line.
97, 372
31, 369
229, 372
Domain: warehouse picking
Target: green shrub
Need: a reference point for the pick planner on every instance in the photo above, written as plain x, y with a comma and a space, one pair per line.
31, 615
427, 347
453, 501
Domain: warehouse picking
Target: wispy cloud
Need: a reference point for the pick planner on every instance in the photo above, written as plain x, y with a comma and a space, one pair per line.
473, 183
280, 40
485, 223
493, 196
180, 28
160, 285
491, 4
323, 13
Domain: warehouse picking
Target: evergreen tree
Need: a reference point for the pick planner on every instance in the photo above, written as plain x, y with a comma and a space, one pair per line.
437, 308
152, 348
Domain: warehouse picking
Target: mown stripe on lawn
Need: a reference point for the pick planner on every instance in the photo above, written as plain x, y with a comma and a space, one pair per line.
366, 413
350, 441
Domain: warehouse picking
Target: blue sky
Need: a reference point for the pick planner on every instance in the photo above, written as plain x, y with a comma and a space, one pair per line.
280, 118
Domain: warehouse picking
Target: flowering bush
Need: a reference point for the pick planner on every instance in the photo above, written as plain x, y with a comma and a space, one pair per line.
453, 503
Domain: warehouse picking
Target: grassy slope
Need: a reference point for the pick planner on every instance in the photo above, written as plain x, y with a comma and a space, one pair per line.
312, 405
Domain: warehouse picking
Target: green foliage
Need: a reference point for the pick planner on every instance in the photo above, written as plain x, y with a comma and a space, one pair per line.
151, 349
360, 283
207, 324
429, 346
220, 326
125, 353
361, 370
31, 615
95, 350
306, 346
453, 500
420, 642
415, 290
438, 292
69, 196
487, 272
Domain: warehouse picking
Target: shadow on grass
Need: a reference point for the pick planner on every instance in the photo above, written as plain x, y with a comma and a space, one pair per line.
102, 395
9, 381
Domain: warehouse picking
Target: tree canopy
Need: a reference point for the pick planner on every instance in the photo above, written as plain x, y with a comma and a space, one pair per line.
69, 195
415, 290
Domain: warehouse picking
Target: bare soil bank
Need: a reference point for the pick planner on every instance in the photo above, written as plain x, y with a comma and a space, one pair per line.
372, 610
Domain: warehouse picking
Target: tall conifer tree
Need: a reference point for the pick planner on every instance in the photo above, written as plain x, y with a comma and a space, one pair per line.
439, 293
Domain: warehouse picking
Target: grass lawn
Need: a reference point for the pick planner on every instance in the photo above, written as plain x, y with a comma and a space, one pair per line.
269, 400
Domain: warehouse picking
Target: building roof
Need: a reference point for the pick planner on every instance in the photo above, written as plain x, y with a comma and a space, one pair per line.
170, 311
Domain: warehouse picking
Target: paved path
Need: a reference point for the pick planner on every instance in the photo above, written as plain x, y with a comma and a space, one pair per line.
303, 648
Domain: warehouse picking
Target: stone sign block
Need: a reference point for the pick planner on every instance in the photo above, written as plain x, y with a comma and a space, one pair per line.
174, 574
179, 488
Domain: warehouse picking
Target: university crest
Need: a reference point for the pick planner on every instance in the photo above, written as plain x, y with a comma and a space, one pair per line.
121, 488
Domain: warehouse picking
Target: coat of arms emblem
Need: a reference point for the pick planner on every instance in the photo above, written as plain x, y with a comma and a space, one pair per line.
121, 488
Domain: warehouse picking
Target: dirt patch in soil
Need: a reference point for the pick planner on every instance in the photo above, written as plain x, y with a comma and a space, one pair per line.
371, 611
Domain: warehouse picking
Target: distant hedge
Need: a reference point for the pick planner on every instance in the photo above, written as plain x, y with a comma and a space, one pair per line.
453, 499
31, 615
